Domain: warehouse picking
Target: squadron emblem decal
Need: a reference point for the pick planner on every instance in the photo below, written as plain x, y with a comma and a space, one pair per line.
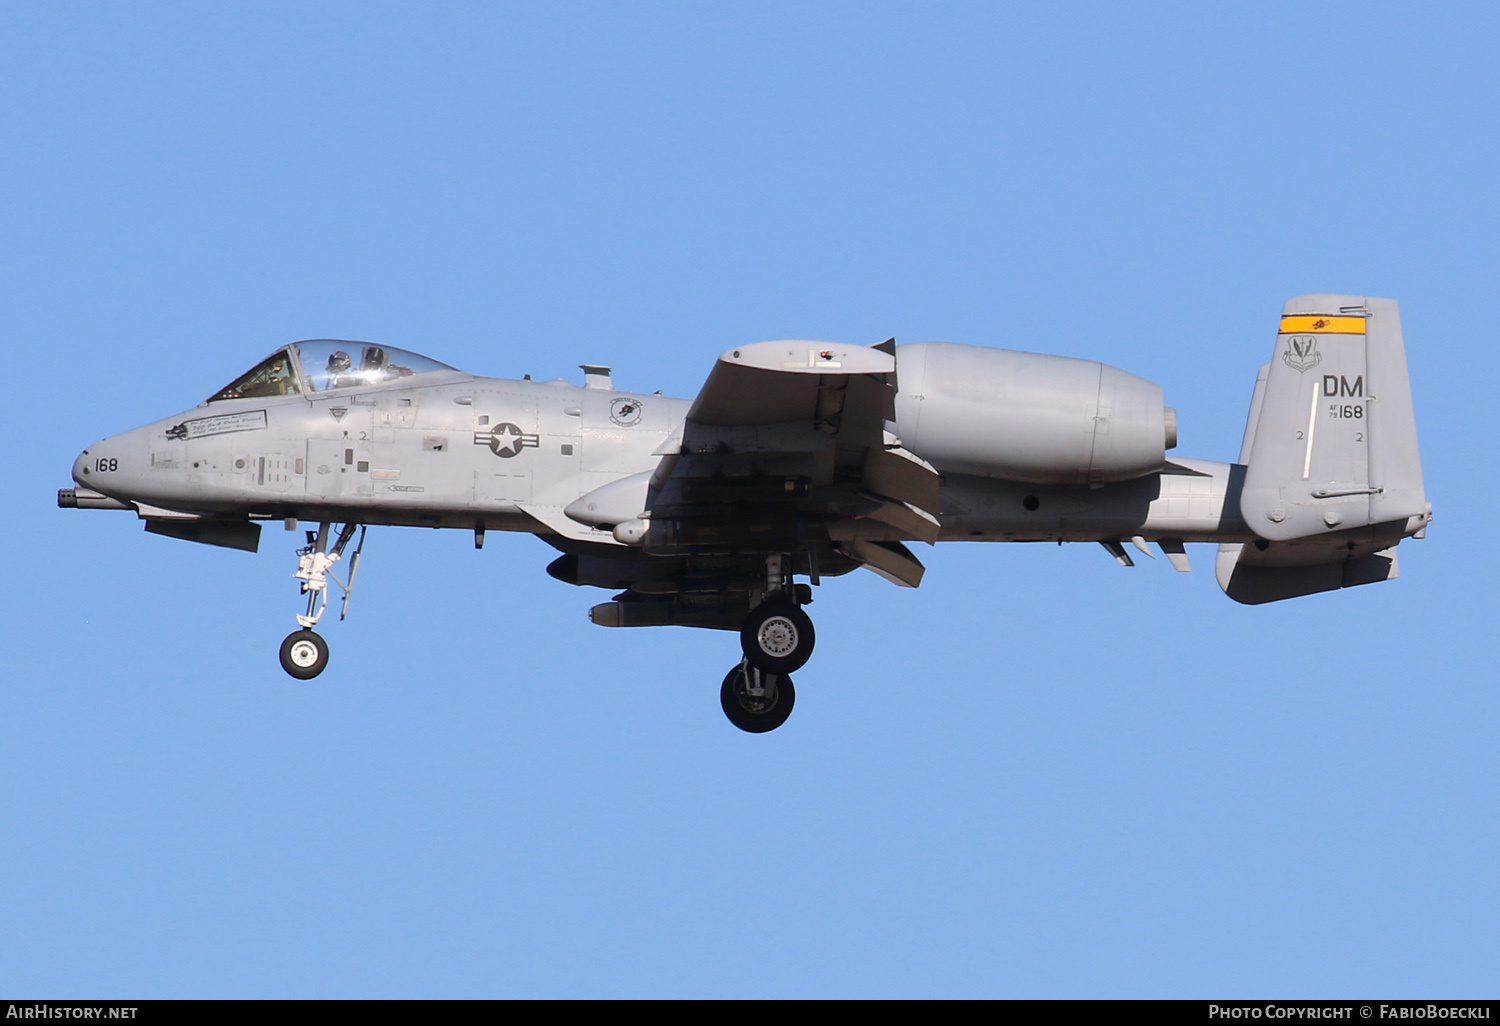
1302, 353
506, 440
625, 412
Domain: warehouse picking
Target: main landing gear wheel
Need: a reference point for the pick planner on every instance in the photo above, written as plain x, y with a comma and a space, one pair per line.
777, 637
757, 713
304, 654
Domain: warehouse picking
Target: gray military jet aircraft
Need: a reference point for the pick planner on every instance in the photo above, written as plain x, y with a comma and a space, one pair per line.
797, 458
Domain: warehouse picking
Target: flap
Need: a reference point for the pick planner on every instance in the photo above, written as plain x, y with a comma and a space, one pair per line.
890, 560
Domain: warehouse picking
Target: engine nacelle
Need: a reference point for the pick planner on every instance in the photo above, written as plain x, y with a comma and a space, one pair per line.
1029, 417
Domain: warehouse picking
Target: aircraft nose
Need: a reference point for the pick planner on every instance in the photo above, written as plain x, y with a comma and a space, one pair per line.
82, 466
102, 466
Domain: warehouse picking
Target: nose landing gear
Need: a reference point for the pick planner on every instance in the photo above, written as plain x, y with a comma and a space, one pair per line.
304, 653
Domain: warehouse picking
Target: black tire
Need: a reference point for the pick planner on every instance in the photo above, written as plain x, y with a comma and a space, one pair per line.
777, 637
757, 715
304, 654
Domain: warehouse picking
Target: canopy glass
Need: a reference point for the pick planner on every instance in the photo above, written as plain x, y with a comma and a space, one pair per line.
327, 364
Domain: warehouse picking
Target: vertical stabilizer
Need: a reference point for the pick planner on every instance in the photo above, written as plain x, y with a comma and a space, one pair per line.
1333, 479
1334, 446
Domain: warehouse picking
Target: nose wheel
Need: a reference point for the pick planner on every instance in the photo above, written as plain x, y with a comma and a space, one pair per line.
304, 654
756, 701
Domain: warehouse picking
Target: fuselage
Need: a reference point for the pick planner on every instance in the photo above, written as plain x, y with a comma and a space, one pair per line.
443, 448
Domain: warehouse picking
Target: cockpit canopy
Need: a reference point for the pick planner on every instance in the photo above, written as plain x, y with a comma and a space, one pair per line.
323, 364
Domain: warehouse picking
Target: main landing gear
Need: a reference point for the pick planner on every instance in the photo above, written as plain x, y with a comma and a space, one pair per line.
776, 638
757, 701
304, 653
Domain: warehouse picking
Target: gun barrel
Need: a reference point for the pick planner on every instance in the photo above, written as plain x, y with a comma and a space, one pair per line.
85, 498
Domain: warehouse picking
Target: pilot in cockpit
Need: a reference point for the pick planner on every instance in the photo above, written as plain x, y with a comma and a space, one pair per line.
339, 370
376, 366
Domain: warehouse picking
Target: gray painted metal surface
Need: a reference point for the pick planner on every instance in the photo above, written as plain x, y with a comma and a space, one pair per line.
1333, 477
797, 458
1028, 417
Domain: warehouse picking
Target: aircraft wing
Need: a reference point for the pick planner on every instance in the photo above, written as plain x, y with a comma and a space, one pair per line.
786, 448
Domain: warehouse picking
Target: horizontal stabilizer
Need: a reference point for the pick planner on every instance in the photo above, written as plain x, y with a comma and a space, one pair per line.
1252, 576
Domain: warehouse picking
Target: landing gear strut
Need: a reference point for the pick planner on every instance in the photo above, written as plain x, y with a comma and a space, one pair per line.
756, 701
777, 636
304, 653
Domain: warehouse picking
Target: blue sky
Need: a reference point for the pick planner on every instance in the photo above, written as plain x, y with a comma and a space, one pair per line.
1037, 775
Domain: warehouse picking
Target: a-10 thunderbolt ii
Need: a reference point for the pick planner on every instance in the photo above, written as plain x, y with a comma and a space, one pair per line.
796, 460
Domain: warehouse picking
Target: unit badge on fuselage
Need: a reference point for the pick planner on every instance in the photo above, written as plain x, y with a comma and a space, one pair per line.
625, 412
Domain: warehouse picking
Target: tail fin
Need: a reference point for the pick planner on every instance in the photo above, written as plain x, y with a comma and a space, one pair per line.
1333, 478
